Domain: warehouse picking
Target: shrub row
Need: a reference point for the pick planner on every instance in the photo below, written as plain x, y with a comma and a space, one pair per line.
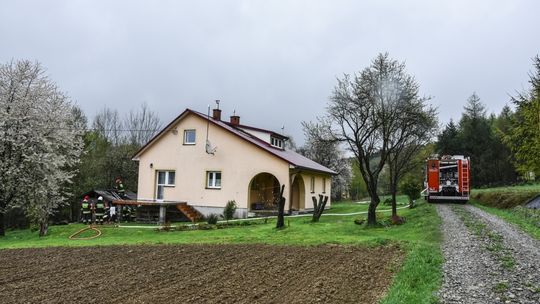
205, 226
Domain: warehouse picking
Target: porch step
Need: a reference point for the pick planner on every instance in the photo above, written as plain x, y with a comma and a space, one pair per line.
191, 213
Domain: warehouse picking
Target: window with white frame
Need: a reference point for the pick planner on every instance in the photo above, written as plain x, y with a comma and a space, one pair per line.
213, 179
164, 179
276, 142
189, 137
312, 185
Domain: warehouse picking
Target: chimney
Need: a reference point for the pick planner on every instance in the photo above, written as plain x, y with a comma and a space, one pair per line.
216, 114
235, 120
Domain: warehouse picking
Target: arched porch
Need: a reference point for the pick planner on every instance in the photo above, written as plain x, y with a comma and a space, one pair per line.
298, 194
263, 192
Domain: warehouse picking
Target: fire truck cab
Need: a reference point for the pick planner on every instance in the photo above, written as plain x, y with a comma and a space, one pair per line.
447, 178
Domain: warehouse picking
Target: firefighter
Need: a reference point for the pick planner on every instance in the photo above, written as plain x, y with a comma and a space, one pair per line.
86, 211
126, 213
99, 210
120, 188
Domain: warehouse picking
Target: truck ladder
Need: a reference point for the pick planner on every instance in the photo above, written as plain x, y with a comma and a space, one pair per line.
465, 177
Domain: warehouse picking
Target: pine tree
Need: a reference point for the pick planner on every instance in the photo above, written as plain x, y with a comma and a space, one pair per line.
449, 141
524, 133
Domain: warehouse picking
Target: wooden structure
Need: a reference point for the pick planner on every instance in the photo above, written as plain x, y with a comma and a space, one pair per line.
188, 211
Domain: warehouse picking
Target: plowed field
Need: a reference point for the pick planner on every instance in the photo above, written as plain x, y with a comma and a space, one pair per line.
197, 274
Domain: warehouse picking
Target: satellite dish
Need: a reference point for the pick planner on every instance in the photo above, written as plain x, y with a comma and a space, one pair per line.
209, 148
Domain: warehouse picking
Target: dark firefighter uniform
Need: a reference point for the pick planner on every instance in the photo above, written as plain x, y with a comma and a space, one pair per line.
126, 213
120, 188
100, 210
86, 211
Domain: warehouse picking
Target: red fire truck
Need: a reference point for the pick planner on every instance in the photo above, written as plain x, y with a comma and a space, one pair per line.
447, 178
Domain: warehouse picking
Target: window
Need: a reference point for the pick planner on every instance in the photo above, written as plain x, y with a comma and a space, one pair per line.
324, 185
213, 180
189, 137
276, 142
312, 186
164, 179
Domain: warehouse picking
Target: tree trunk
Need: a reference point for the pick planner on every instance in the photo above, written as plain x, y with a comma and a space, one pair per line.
281, 210
2, 230
43, 228
372, 189
394, 203
318, 208
372, 218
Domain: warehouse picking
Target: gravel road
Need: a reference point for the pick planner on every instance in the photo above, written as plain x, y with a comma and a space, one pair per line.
487, 260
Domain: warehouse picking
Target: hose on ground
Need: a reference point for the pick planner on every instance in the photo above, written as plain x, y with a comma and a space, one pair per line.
74, 236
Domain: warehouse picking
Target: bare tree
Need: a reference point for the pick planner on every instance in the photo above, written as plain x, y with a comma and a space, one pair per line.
366, 111
322, 147
107, 123
418, 123
141, 125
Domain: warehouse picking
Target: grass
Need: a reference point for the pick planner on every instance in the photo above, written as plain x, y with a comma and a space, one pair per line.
415, 282
501, 287
351, 207
526, 219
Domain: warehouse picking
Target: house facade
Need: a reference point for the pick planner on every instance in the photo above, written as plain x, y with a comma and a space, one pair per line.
205, 161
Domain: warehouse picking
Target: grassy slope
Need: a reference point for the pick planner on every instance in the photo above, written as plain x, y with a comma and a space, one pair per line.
420, 236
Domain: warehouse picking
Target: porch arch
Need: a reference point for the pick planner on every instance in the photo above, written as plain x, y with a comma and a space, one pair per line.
263, 192
298, 194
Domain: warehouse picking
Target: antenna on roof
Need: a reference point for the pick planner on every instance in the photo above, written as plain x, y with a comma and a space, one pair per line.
282, 129
217, 103
208, 147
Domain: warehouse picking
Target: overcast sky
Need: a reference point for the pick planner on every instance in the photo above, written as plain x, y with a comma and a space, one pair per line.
274, 62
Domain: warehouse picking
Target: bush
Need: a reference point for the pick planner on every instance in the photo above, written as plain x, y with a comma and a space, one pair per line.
411, 188
230, 209
212, 219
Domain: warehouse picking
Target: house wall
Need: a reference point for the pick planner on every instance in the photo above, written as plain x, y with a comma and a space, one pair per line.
318, 189
238, 161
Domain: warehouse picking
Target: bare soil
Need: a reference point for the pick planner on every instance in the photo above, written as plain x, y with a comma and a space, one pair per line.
198, 274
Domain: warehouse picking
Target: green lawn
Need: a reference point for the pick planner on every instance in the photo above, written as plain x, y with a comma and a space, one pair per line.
419, 236
362, 205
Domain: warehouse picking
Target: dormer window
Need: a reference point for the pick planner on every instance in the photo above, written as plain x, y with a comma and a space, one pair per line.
276, 142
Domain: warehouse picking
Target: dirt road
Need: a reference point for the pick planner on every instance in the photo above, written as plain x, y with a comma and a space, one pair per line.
487, 259
197, 274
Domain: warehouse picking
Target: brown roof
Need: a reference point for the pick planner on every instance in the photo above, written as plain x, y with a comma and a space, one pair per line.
289, 156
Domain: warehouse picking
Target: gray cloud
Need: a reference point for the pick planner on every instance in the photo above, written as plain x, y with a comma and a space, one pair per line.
275, 62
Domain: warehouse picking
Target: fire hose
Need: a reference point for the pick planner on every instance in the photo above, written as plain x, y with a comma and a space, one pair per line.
74, 236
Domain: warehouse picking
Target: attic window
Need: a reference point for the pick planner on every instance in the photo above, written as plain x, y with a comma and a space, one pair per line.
189, 137
276, 142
